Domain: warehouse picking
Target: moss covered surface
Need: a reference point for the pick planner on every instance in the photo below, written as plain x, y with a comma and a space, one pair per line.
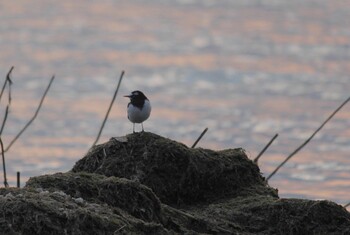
267, 215
146, 184
130, 196
177, 174
36, 211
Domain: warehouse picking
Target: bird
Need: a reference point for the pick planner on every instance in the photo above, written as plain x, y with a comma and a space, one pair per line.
139, 108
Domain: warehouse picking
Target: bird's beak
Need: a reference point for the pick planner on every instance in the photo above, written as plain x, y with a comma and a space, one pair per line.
127, 96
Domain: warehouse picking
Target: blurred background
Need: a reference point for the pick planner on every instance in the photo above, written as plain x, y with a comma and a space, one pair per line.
244, 69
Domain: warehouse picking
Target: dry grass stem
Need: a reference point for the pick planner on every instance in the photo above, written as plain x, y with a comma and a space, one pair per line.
109, 109
308, 140
33, 118
264, 149
3, 163
200, 137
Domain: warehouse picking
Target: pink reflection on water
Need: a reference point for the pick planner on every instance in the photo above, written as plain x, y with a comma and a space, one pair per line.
84, 41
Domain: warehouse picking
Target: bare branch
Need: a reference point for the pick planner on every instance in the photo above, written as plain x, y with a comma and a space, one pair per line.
347, 205
200, 137
4, 121
308, 140
109, 109
7, 80
9, 99
33, 118
264, 149
3, 163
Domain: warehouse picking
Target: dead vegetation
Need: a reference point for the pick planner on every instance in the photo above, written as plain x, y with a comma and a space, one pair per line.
147, 184
177, 174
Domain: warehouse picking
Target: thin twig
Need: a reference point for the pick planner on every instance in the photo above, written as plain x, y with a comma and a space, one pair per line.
200, 137
119, 229
307, 141
10, 85
264, 149
5, 118
9, 100
109, 109
346, 205
33, 118
3, 163
7, 80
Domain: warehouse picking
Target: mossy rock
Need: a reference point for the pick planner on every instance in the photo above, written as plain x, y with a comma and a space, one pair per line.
124, 196
130, 196
177, 174
146, 184
268, 215
30, 211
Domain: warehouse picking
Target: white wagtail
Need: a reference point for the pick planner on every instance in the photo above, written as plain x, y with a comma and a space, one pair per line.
139, 108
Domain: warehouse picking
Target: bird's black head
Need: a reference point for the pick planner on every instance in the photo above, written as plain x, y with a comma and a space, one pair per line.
137, 98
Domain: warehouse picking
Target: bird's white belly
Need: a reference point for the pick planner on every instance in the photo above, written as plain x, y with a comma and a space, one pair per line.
137, 115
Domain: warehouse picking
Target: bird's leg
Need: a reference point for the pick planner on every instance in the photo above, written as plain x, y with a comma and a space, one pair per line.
142, 127
133, 128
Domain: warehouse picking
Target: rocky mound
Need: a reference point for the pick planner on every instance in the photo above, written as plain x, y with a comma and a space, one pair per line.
38, 211
130, 196
177, 174
146, 184
267, 215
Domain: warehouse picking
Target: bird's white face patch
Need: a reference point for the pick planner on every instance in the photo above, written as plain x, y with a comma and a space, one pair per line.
135, 93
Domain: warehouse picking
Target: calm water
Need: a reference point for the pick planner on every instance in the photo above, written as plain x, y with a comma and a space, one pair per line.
244, 69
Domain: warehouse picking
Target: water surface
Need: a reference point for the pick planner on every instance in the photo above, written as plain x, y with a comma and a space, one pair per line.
244, 69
